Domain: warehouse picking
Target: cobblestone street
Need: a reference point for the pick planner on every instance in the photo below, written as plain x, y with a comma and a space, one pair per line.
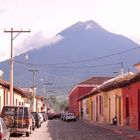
60, 130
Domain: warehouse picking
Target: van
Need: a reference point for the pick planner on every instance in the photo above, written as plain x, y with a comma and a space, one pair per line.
18, 119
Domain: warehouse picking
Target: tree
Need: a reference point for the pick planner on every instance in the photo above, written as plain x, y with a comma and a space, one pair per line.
59, 103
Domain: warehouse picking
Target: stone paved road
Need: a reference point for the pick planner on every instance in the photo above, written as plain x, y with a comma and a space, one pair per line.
38, 134
59, 130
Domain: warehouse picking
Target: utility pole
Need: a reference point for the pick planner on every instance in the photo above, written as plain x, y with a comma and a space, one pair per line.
17, 32
122, 69
45, 92
44, 86
33, 103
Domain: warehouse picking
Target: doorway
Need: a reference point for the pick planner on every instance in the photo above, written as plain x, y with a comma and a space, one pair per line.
119, 110
97, 108
109, 110
127, 110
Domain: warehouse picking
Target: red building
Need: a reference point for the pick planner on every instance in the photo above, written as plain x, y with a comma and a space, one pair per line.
82, 89
131, 102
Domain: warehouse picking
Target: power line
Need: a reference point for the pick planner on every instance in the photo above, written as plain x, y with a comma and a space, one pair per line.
79, 67
95, 66
94, 59
82, 61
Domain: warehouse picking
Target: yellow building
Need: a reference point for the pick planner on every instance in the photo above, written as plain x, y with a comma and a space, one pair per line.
39, 103
98, 107
20, 97
113, 106
105, 102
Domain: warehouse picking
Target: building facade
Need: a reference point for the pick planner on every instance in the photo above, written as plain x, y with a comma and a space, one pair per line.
117, 98
81, 89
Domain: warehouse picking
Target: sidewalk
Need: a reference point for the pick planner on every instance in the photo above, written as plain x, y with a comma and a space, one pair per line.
128, 132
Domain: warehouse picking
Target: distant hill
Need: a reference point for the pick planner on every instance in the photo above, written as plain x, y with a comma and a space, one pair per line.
85, 50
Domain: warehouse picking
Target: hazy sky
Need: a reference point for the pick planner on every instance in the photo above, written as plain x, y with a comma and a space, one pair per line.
45, 18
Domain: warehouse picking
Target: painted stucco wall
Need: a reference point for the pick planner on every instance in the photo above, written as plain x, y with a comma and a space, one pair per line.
90, 109
18, 99
97, 107
75, 95
130, 93
1, 98
113, 106
85, 110
35, 105
39, 105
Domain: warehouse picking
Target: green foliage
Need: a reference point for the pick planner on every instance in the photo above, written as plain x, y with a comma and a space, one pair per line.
59, 103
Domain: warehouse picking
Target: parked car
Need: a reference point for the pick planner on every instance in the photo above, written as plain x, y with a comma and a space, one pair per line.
37, 119
44, 116
4, 132
62, 116
50, 116
70, 117
33, 123
18, 119
41, 117
57, 115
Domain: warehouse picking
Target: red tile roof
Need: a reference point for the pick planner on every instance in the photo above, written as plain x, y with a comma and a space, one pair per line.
16, 89
39, 97
95, 81
114, 83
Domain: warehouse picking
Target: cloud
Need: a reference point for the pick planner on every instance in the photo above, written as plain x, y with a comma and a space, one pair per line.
4, 55
2, 10
37, 41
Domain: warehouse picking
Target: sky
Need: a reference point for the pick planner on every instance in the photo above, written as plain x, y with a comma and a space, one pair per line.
46, 18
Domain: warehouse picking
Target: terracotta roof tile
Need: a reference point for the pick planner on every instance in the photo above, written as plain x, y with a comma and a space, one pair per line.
114, 83
16, 89
95, 81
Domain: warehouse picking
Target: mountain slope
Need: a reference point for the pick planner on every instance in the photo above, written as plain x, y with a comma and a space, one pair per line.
74, 58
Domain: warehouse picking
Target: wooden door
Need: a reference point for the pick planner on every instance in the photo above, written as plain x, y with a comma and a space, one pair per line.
120, 110
127, 110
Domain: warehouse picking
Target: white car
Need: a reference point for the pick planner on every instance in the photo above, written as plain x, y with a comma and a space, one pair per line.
70, 117
4, 132
41, 117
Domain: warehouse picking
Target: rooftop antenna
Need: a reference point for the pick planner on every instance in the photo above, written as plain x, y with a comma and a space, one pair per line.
128, 71
122, 69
